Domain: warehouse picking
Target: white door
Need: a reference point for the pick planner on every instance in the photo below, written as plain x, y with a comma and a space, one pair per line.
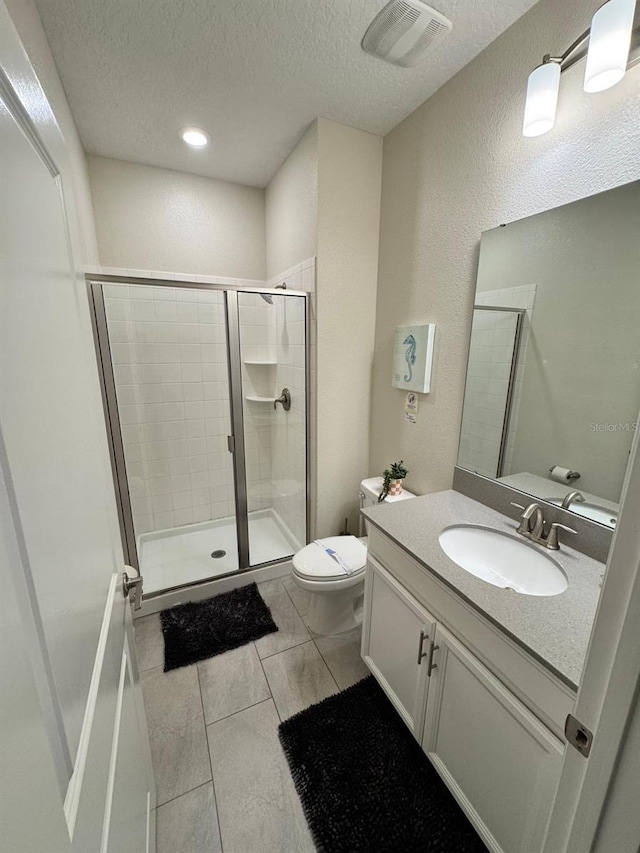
396, 638
66, 566
490, 750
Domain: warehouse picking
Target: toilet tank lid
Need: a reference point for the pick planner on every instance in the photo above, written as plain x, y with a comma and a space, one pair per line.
373, 486
314, 561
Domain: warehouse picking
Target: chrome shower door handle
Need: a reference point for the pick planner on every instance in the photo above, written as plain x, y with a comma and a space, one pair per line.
284, 399
132, 585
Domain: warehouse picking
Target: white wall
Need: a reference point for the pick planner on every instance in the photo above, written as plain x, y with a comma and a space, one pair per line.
349, 174
292, 207
52, 117
458, 166
156, 219
325, 199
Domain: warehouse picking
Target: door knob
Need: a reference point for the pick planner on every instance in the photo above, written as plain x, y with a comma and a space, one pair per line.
132, 585
284, 399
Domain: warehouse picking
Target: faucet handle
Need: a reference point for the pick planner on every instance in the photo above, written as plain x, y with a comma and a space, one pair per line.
523, 527
552, 538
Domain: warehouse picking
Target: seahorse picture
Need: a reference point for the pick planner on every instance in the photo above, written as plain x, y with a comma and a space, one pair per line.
412, 357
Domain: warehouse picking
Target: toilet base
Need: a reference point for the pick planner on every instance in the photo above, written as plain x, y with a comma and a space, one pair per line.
335, 613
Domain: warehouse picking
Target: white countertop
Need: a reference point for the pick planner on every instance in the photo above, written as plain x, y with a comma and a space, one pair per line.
554, 629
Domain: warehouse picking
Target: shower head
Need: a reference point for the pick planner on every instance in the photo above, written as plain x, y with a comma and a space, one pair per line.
267, 298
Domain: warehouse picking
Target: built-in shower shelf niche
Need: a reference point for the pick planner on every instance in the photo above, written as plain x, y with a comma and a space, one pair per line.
254, 399
264, 362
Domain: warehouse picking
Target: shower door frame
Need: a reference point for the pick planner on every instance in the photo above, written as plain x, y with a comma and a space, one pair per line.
513, 369
236, 440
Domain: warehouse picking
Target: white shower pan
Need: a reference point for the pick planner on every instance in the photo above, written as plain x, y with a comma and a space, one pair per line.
182, 555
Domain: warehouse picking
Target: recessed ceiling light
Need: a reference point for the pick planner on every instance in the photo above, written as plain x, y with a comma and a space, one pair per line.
195, 136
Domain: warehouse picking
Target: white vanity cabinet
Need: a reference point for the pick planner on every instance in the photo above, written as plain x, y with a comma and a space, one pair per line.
474, 701
499, 761
396, 637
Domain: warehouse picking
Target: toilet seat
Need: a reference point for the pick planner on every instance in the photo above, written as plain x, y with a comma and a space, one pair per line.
313, 563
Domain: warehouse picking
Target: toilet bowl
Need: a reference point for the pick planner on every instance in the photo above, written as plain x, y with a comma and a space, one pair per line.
333, 571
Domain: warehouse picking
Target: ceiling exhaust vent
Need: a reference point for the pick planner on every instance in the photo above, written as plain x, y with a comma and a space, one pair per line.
404, 30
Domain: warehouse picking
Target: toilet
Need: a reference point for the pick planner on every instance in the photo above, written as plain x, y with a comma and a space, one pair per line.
332, 570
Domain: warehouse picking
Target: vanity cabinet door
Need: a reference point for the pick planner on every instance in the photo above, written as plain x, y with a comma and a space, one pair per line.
499, 761
395, 644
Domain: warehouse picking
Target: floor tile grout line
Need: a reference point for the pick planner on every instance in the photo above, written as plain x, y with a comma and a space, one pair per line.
268, 685
241, 711
213, 784
301, 615
183, 794
295, 646
329, 670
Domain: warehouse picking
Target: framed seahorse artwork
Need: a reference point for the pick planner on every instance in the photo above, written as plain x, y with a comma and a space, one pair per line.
412, 357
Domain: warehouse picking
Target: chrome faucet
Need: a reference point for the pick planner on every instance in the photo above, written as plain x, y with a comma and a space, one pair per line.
570, 498
531, 521
532, 526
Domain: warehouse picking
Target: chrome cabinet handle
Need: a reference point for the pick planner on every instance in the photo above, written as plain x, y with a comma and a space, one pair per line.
422, 654
431, 665
134, 585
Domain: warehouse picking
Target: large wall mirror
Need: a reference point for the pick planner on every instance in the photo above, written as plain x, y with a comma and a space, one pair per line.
553, 378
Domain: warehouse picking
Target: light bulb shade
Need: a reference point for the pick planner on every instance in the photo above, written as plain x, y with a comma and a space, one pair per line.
609, 42
542, 99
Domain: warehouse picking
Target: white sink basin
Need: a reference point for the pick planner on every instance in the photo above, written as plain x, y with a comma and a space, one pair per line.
503, 560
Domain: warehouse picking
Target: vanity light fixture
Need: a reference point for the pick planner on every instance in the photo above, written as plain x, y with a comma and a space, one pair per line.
542, 98
195, 137
611, 45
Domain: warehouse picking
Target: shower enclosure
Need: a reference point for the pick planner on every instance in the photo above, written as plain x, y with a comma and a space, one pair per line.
486, 439
206, 400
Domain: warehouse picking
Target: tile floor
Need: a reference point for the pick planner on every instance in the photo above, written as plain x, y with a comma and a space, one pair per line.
223, 784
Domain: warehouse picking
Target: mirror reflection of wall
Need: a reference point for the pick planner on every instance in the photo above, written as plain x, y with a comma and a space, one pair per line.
564, 388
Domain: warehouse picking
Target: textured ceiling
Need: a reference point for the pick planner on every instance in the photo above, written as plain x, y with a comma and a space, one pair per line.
253, 73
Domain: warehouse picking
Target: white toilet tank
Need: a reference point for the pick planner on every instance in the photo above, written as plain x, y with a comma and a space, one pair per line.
370, 490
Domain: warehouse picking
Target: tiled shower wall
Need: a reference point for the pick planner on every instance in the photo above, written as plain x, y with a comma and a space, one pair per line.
485, 399
273, 354
258, 354
490, 356
168, 349
170, 364
288, 437
523, 297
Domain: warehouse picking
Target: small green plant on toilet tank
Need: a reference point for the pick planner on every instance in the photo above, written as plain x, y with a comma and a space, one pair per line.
392, 480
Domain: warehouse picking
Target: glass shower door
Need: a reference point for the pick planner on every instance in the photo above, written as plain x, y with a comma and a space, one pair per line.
491, 391
272, 330
166, 349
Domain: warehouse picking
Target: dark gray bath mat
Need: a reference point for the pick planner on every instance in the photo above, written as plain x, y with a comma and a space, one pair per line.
365, 784
202, 629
